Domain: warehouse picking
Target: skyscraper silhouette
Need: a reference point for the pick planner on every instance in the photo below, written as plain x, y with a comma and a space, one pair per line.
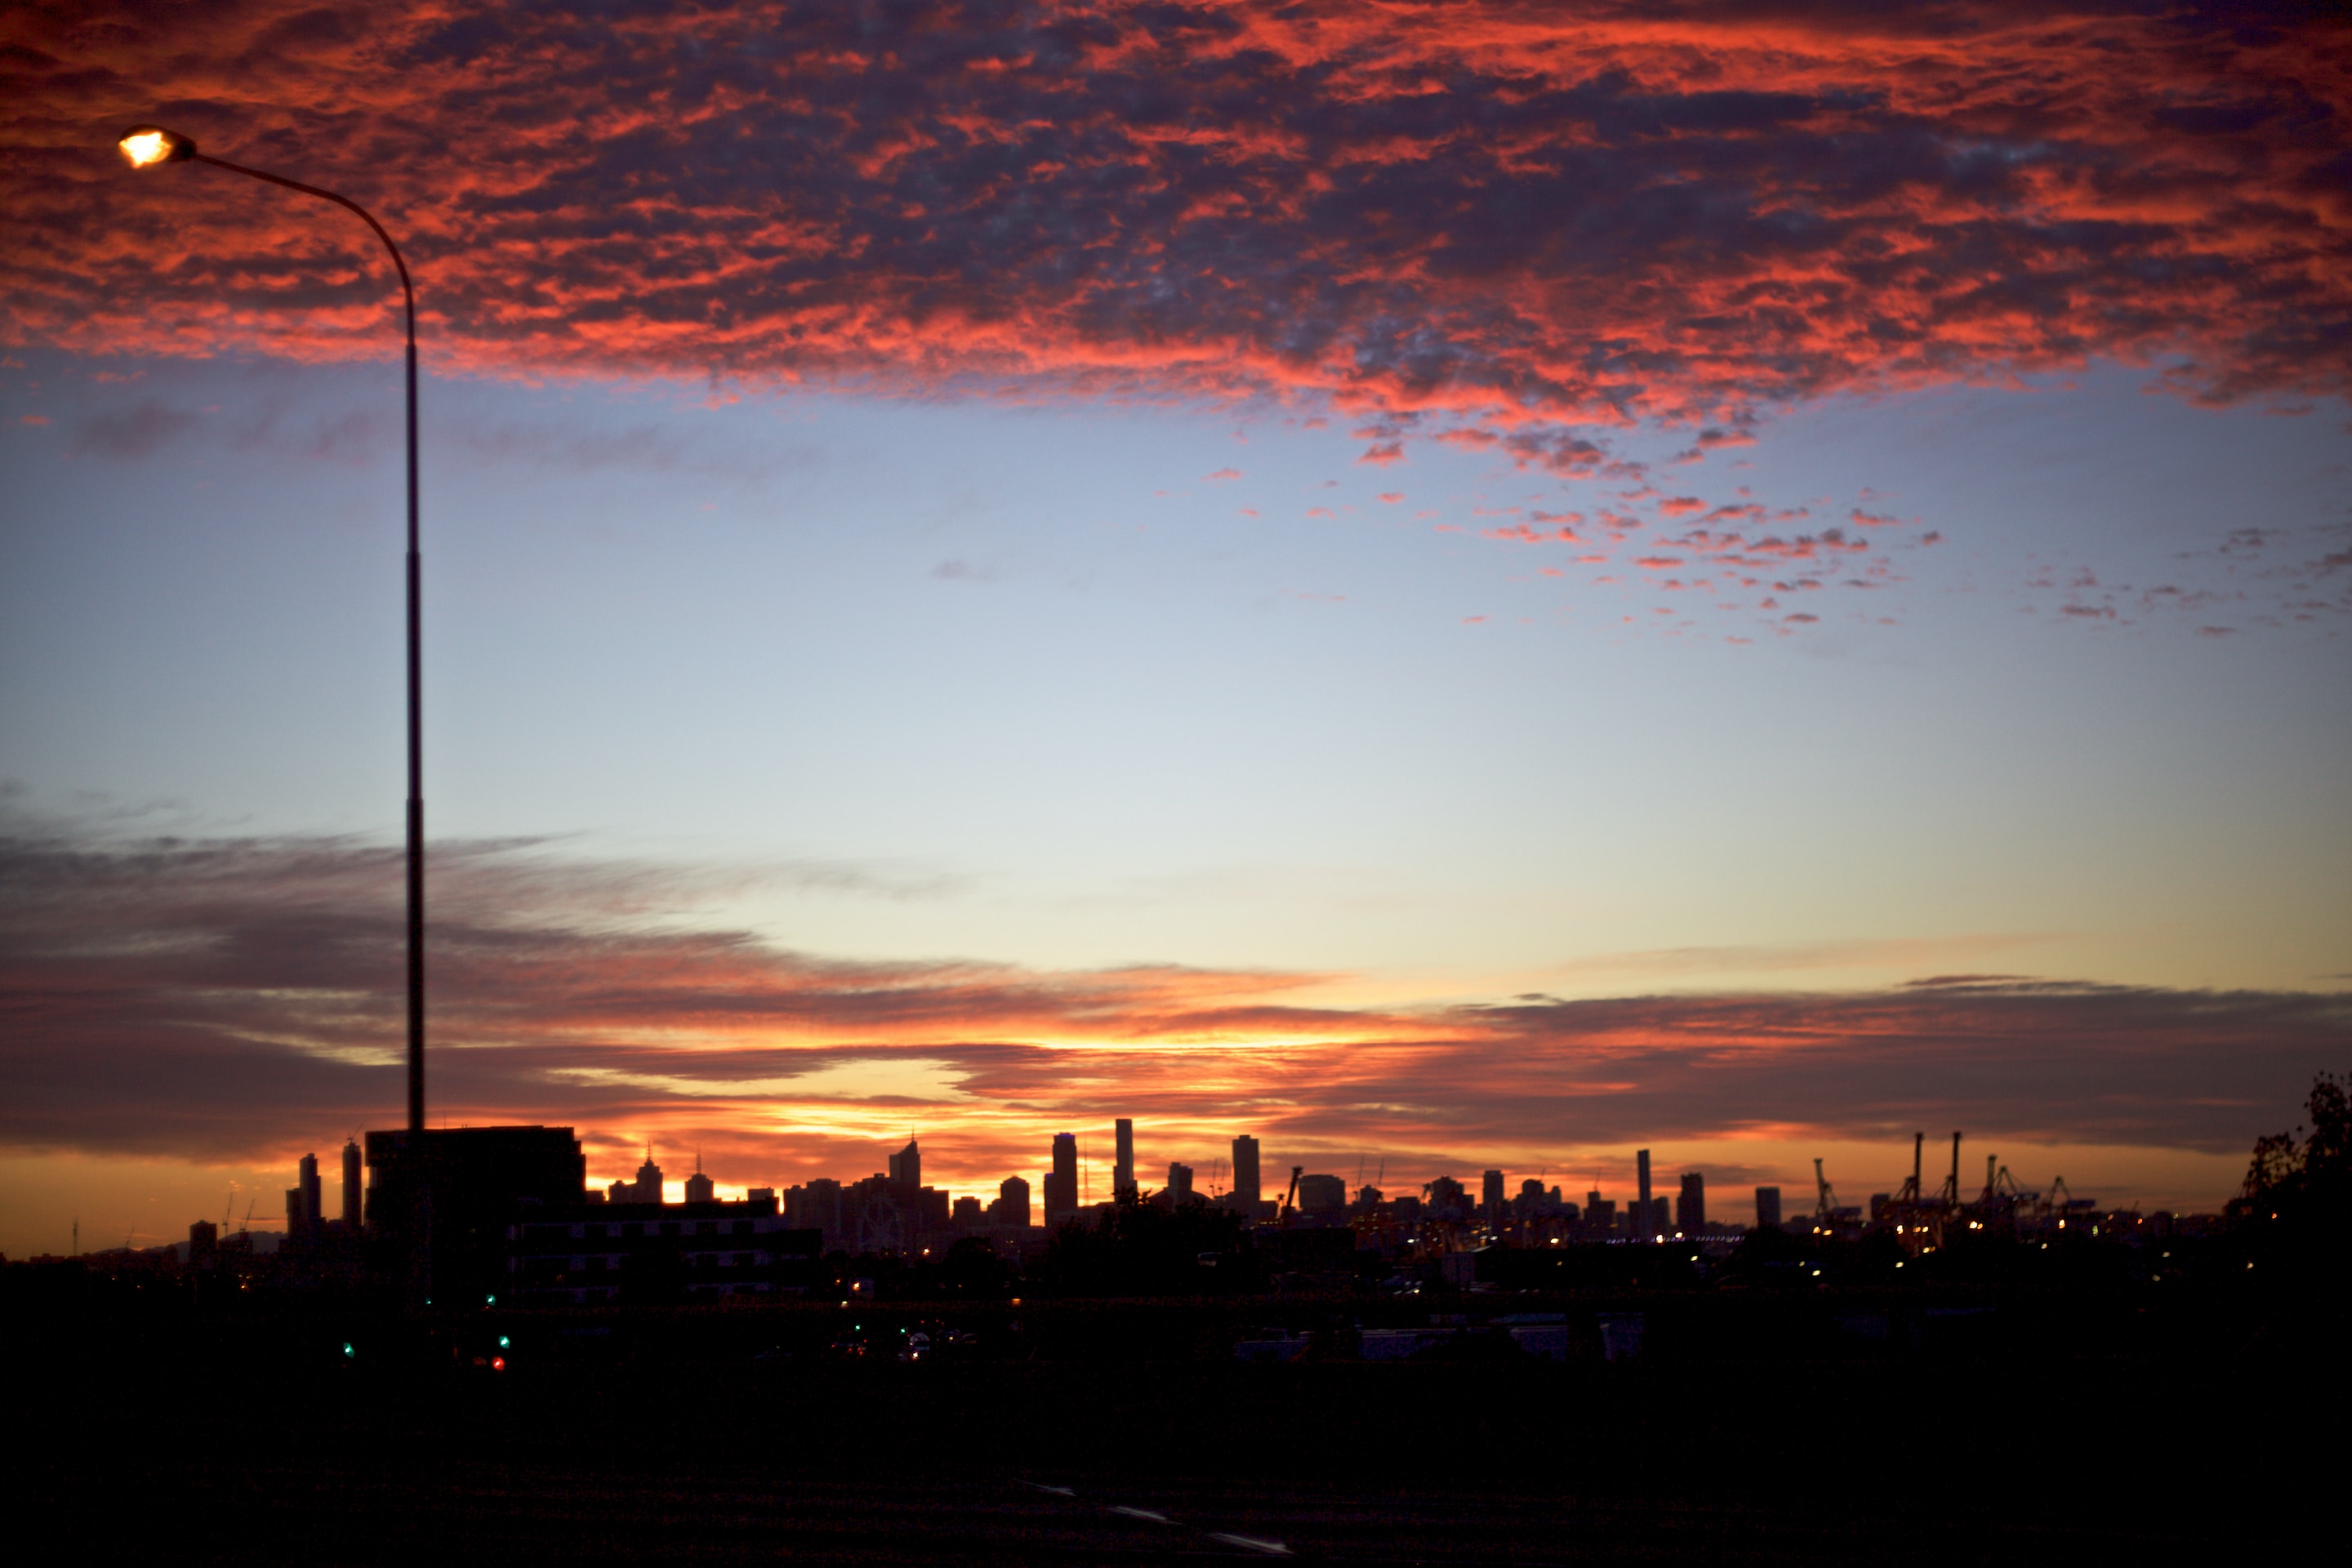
1246, 1195
351, 1188
1062, 1181
309, 1191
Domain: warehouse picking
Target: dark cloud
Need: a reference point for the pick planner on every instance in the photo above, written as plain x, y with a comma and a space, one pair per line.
224, 998
133, 433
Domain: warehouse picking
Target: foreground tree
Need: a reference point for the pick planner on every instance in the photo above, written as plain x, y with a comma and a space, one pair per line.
2294, 1213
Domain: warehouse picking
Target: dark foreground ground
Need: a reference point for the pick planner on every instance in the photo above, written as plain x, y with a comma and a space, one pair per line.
1787, 1431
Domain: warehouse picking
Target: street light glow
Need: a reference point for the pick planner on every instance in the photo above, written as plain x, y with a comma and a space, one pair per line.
147, 145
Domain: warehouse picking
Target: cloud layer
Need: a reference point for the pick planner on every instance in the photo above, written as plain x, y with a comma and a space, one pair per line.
227, 999
1452, 214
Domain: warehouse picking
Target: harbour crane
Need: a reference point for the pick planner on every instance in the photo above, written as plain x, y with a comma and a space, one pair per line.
1910, 1193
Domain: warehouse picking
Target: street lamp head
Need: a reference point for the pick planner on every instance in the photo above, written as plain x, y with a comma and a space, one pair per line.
145, 146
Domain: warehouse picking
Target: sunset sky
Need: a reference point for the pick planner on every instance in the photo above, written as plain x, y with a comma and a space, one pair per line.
1449, 584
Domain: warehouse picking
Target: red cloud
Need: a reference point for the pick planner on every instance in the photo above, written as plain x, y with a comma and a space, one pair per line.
1226, 474
1470, 209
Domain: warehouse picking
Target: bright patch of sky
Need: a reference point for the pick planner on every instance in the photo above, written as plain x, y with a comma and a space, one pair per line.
1092, 684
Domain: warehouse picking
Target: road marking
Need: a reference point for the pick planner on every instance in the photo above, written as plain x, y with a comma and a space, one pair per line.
1251, 1542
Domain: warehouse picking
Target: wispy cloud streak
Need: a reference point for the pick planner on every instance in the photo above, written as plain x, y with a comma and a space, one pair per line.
225, 998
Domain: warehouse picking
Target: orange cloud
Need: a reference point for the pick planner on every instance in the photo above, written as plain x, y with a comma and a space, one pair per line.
232, 999
1474, 214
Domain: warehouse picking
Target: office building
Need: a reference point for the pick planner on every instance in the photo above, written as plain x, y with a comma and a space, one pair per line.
1062, 1181
699, 1188
1490, 1196
1768, 1208
646, 1189
312, 1214
585, 1253
1122, 1173
966, 1215
906, 1166
295, 1229
1246, 1195
1690, 1208
352, 1186
816, 1205
1322, 1195
1180, 1184
441, 1201
1011, 1205
1640, 1221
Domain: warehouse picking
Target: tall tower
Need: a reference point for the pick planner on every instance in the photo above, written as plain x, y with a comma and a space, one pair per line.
351, 1188
309, 1185
650, 1179
1122, 1173
906, 1166
1062, 1181
1247, 1196
1490, 1194
1690, 1208
1645, 1219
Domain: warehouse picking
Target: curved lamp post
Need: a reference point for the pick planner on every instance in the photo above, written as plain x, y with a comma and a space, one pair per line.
150, 146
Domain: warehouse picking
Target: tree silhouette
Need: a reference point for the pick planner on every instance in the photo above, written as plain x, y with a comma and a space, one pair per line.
2298, 1194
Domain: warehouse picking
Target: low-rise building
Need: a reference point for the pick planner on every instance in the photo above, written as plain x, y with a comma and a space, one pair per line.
588, 1254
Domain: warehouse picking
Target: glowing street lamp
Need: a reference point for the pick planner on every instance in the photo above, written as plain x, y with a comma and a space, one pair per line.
148, 147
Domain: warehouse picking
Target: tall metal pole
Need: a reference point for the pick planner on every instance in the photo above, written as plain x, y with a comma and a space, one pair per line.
415, 653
